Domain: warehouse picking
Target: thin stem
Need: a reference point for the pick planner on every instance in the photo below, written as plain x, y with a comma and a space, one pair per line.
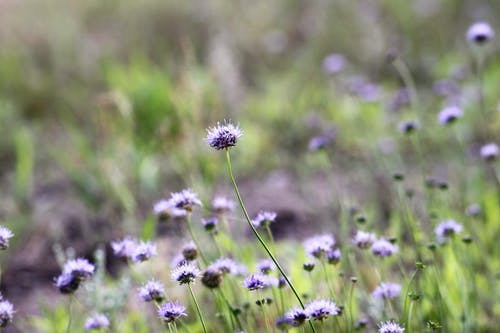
191, 233
351, 315
197, 308
68, 328
261, 241
261, 306
323, 265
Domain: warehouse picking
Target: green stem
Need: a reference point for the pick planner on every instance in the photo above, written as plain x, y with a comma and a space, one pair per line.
197, 308
191, 233
261, 241
408, 324
68, 328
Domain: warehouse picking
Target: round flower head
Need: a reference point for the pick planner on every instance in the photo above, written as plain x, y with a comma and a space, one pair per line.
178, 260
320, 309
480, 33
334, 256
166, 209
389, 327
384, 248
223, 136
363, 239
318, 246
212, 278
297, 316
143, 251
185, 199
152, 291
80, 269
225, 265
222, 205
263, 219
190, 251
124, 248
210, 224
387, 290
5, 234
66, 283
489, 152
449, 114
6, 313
309, 265
408, 127
334, 63
473, 210
185, 273
447, 229
170, 311
319, 142
266, 266
96, 322
257, 281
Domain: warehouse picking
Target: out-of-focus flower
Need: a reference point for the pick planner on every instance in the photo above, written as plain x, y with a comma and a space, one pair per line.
152, 291
390, 327
266, 266
334, 63
446, 229
321, 309
222, 205
489, 152
97, 321
143, 251
480, 33
384, 248
185, 199
363, 239
264, 219
387, 290
5, 235
319, 246
124, 248
6, 313
449, 115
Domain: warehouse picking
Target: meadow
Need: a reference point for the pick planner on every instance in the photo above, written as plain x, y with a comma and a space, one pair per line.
212, 166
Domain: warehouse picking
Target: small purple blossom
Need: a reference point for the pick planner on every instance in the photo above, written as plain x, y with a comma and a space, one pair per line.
178, 260
6, 313
124, 248
185, 199
409, 126
363, 239
96, 322
320, 142
320, 245
165, 209
266, 266
263, 219
225, 265
334, 63
79, 268
143, 251
449, 115
66, 283
185, 273
222, 205
297, 316
334, 256
489, 152
320, 309
152, 291
258, 281
480, 33
390, 327
384, 248
223, 136
210, 224
171, 311
5, 235
446, 229
387, 290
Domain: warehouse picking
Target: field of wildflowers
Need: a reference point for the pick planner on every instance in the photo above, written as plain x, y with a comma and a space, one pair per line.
295, 166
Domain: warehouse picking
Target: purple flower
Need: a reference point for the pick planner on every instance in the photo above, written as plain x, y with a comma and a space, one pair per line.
387, 290
96, 322
480, 33
152, 291
409, 126
320, 309
384, 248
190, 251
320, 142
489, 152
185, 199
222, 205
5, 234
6, 313
143, 251
266, 266
318, 246
334, 256
225, 265
165, 209
263, 219
297, 316
449, 114
363, 239
223, 136
185, 273
79, 268
334, 63
66, 283
390, 327
259, 281
124, 248
210, 224
446, 229
170, 311
178, 260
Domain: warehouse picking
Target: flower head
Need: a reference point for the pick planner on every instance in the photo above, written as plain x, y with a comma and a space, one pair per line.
259, 281
489, 152
334, 256
5, 234
480, 33
143, 251
266, 266
297, 316
185, 199
80, 268
190, 251
320, 141
318, 246
449, 114
387, 290
334, 63
408, 127
212, 278
152, 291
384, 248
96, 322
222, 205
390, 327
66, 283
170, 311
223, 136
446, 229
210, 224
124, 248
185, 273
320, 309
166, 209
6, 313
363, 239
263, 219
225, 265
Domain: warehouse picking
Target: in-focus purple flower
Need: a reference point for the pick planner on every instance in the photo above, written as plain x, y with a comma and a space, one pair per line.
223, 136
384, 248
222, 205
319, 246
166, 209
264, 219
297, 316
480, 33
97, 321
259, 281
185, 199
79, 268
320, 309
363, 239
5, 235
387, 290
449, 115
225, 265
334, 63
446, 229
489, 152
143, 251
390, 327
6, 313
171, 311
124, 248
266, 266
334, 256
152, 291
185, 273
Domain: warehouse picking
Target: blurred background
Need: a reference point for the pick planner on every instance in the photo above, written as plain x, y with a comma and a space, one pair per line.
104, 106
